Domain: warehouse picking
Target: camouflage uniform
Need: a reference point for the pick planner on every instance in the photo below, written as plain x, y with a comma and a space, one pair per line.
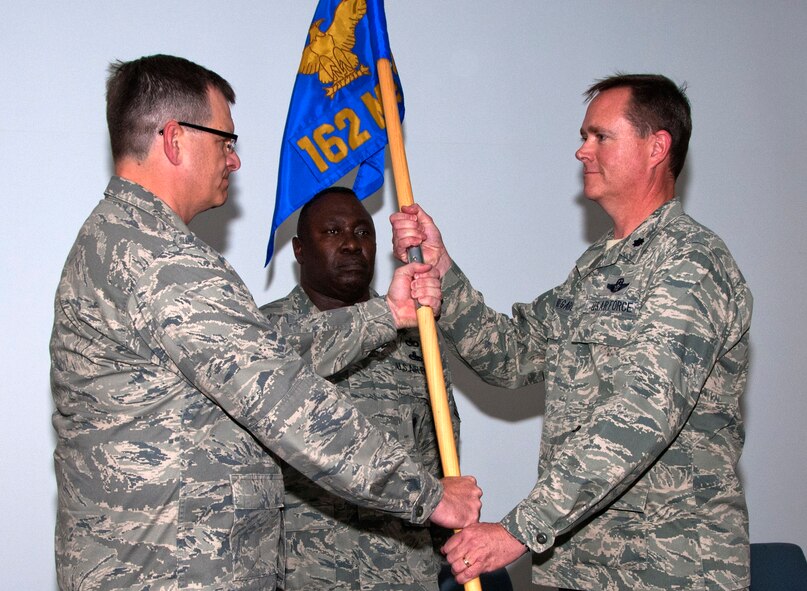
644, 354
330, 543
168, 383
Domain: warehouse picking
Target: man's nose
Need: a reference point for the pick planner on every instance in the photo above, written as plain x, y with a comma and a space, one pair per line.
351, 242
233, 161
582, 152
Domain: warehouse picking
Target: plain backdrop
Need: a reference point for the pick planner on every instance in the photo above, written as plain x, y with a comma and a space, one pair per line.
493, 110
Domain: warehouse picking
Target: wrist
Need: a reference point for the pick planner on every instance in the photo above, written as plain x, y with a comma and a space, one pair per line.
443, 264
393, 311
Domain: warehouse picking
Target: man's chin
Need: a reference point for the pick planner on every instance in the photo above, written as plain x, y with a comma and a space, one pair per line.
357, 291
221, 200
591, 194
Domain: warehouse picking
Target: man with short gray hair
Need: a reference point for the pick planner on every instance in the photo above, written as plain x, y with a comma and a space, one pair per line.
171, 387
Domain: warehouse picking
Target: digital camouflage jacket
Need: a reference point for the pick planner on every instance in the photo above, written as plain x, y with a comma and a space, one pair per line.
332, 544
169, 387
644, 355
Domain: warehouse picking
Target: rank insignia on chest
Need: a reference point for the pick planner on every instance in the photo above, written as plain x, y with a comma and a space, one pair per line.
617, 285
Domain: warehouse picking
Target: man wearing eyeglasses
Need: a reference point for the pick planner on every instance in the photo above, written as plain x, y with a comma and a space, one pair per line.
171, 387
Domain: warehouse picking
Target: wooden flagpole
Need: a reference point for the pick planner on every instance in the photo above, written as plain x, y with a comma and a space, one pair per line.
426, 324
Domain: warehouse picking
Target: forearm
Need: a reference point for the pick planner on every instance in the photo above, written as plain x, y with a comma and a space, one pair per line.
329, 441
503, 351
261, 383
330, 341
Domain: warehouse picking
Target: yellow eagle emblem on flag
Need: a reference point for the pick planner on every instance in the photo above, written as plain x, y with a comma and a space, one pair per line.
329, 54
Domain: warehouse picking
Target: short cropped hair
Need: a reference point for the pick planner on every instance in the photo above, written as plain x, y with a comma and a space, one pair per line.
657, 103
144, 94
302, 219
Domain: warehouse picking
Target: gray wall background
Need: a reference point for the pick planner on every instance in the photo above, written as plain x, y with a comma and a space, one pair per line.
494, 105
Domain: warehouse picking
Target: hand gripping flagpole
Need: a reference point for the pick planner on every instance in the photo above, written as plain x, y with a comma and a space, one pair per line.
426, 325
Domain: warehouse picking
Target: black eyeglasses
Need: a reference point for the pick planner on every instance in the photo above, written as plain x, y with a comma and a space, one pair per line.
231, 137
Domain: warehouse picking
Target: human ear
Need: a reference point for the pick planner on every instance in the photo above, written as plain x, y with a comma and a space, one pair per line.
297, 246
662, 143
171, 135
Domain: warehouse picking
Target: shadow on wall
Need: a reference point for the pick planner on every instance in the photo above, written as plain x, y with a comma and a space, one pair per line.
493, 401
283, 236
595, 221
212, 225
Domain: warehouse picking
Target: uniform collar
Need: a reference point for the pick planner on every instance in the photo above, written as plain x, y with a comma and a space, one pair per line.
633, 245
300, 300
122, 189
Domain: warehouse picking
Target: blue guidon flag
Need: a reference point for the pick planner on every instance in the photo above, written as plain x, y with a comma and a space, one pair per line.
335, 120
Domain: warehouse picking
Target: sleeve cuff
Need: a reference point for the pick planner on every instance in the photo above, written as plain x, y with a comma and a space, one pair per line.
452, 277
428, 500
376, 312
524, 524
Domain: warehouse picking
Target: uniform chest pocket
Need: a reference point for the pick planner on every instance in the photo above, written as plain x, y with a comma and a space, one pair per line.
599, 348
604, 329
601, 340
